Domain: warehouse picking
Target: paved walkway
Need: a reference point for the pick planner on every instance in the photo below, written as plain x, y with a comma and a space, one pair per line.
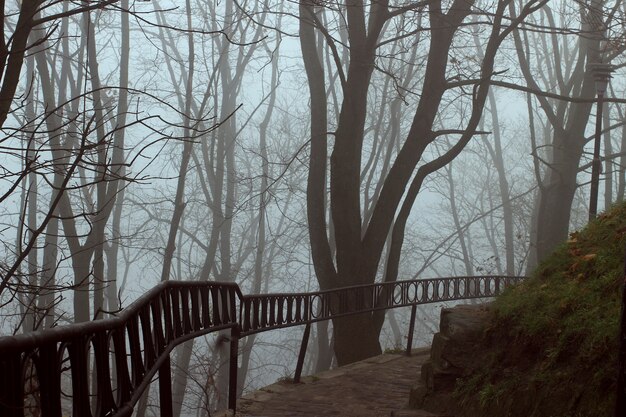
376, 387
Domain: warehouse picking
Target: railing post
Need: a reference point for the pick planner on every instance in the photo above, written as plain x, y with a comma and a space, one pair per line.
48, 370
409, 342
165, 388
233, 369
303, 346
79, 365
11, 385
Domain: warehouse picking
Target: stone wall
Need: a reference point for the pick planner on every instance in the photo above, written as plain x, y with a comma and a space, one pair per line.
460, 330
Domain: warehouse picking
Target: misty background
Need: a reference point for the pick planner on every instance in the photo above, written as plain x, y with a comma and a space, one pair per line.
283, 145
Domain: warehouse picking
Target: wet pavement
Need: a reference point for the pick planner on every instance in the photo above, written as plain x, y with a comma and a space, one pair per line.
375, 387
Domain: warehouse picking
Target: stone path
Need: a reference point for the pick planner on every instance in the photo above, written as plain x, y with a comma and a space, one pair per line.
376, 387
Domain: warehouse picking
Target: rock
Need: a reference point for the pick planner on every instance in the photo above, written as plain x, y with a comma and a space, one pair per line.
437, 378
417, 395
463, 322
460, 329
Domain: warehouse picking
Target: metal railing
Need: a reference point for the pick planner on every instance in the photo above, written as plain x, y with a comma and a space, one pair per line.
130, 349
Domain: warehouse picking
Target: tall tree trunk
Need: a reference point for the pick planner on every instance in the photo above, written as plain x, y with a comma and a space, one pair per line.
621, 176
181, 368
608, 164
467, 260
32, 322
179, 204
569, 123
507, 210
261, 242
118, 167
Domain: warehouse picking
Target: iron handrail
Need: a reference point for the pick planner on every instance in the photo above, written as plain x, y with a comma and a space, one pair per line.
261, 312
137, 343
40, 337
144, 333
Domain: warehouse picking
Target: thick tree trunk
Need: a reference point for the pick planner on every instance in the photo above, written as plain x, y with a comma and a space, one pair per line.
557, 194
324, 347
316, 181
356, 338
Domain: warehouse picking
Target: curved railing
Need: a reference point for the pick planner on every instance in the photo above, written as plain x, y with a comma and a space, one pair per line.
130, 349
263, 312
136, 345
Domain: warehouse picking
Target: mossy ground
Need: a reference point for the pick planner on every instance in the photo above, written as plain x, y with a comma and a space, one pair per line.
551, 350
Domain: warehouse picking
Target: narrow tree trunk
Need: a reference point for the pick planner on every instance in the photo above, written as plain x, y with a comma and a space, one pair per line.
467, 261
608, 164
32, 199
503, 185
621, 177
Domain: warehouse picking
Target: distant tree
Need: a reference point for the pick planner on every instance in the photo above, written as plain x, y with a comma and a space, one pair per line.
550, 61
67, 122
69, 149
208, 220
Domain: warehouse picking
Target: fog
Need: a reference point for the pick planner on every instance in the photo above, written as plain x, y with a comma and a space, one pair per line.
293, 147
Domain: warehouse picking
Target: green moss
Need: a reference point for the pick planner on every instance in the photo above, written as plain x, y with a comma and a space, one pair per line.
555, 335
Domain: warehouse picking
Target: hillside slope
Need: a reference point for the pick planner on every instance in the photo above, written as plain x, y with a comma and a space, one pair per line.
551, 347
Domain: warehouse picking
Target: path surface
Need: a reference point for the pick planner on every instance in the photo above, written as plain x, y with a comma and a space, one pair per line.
376, 387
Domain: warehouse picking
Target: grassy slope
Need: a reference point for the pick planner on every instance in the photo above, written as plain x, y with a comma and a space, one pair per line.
552, 347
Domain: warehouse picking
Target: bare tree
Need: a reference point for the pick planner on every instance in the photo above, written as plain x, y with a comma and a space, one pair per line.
360, 245
564, 66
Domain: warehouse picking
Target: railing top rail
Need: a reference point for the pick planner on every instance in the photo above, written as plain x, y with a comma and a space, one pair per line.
263, 312
379, 284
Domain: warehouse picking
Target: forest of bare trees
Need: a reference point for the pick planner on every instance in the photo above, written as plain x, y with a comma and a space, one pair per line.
292, 146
